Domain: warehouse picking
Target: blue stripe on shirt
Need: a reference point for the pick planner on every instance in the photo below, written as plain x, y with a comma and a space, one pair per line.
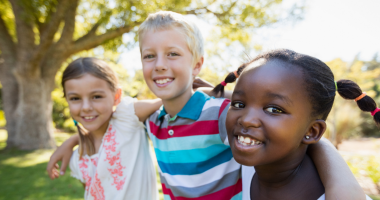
195, 168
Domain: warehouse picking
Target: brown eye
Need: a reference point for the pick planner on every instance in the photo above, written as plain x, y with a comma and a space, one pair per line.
274, 110
238, 105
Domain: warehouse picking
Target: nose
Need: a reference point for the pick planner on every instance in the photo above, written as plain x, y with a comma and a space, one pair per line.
161, 64
87, 105
250, 119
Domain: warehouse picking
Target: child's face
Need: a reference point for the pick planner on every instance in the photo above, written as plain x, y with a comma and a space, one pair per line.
270, 112
167, 63
90, 101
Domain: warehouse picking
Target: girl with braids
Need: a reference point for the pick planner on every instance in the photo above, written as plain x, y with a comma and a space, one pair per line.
113, 159
278, 108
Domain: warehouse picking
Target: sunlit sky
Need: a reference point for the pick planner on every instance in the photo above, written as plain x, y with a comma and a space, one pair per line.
330, 29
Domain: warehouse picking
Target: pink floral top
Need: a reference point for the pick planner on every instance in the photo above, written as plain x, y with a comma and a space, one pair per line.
123, 168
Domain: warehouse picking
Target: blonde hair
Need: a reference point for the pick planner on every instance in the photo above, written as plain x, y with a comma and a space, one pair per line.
99, 69
167, 19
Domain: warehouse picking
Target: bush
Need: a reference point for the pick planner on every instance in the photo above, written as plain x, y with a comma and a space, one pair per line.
2, 119
61, 112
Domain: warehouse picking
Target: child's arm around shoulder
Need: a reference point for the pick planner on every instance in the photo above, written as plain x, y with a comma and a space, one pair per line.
144, 108
63, 153
337, 178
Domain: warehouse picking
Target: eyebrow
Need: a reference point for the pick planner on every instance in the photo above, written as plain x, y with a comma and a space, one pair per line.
96, 91
239, 92
279, 96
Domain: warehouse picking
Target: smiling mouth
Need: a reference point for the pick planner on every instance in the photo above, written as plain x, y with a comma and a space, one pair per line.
247, 141
89, 118
163, 81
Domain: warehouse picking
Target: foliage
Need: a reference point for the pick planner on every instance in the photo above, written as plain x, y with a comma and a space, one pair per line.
373, 169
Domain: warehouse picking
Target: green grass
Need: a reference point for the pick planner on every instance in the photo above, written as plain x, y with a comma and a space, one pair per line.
23, 175
374, 197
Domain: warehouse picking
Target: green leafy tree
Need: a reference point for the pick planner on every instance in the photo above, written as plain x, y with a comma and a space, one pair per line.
37, 36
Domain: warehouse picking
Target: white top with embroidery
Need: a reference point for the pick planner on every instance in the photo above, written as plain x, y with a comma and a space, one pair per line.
123, 168
247, 174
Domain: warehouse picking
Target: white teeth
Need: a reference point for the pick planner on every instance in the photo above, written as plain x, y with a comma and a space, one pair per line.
89, 117
163, 81
245, 141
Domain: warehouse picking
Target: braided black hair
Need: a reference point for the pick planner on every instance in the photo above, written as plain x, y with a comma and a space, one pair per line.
319, 82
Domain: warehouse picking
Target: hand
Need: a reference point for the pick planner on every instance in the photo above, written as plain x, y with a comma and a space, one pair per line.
198, 82
63, 153
60, 154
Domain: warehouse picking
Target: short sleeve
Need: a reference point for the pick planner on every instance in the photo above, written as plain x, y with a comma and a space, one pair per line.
74, 166
125, 112
222, 121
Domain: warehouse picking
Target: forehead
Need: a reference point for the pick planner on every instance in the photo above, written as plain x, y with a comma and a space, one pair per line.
86, 83
165, 37
273, 77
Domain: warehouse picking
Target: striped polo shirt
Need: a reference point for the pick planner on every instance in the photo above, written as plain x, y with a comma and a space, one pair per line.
192, 150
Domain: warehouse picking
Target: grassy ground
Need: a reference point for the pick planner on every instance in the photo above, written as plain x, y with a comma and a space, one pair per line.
23, 175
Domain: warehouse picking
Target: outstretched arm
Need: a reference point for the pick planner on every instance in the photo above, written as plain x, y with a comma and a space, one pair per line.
337, 178
144, 108
63, 153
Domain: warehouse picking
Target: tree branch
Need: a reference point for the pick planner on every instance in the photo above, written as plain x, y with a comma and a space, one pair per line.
24, 29
218, 15
48, 34
68, 29
7, 46
89, 42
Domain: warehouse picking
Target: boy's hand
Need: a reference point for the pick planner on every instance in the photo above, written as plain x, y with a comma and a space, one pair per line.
198, 82
63, 153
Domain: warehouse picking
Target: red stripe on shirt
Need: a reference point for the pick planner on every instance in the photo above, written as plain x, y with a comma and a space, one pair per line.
197, 128
224, 104
226, 193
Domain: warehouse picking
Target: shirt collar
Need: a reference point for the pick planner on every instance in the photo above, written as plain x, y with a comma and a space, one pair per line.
192, 109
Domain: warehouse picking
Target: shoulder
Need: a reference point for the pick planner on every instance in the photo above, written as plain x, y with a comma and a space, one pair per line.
124, 114
125, 105
217, 105
215, 102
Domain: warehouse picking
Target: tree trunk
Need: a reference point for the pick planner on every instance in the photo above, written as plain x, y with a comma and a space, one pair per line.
34, 128
10, 96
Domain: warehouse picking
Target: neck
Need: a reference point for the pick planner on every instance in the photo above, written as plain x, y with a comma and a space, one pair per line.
98, 134
175, 105
281, 173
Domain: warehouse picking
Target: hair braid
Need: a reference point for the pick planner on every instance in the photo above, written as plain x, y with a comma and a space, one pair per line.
348, 89
230, 78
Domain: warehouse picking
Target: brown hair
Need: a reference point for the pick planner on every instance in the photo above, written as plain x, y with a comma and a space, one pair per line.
99, 69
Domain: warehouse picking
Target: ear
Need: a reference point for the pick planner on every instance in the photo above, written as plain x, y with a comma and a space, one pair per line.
118, 94
315, 132
198, 67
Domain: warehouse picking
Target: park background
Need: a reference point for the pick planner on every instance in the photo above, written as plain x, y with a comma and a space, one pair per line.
38, 38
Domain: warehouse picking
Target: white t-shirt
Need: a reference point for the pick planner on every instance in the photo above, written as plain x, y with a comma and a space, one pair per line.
247, 174
123, 168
